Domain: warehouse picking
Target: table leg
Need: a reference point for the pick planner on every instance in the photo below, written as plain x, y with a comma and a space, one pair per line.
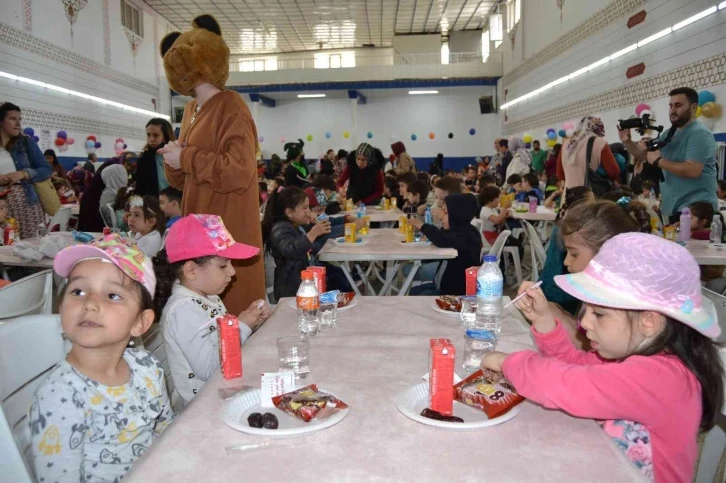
392, 268
409, 280
346, 272
364, 277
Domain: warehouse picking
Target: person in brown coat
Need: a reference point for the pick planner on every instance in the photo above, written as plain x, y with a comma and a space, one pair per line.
406, 163
213, 163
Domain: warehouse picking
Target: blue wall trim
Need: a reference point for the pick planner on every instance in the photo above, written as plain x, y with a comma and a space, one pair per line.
720, 137
358, 85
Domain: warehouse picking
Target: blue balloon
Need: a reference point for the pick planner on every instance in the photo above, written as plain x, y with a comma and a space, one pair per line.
90, 144
551, 130
706, 96
327, 135
413, 137
62, 135
28, 131
36, 139
97, 145
472, 131
562, 133
552, 135
528, 145
370, 135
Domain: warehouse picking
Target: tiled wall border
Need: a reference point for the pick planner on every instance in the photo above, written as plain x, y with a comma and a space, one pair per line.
613, 12
698, 75
54, 121
29, 43
106, 33
28, 15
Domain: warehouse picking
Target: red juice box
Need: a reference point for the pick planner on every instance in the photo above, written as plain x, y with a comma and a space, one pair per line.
230, 346
442, 358
471, 280
319, 278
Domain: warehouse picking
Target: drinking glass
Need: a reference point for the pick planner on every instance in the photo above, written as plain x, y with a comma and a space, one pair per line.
467, 316
294, 356
328, 314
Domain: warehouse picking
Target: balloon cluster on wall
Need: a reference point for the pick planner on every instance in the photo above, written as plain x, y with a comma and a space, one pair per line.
707, 106
119, 146
29, 131
92, 144
369, 135
62, 141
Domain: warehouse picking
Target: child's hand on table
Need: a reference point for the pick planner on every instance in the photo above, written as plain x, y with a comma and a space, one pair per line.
493, 361
416, 223
536, 308
256, 313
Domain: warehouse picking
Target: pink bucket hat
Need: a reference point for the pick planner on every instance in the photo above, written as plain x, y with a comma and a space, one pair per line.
197, 236
636, 271
122, 253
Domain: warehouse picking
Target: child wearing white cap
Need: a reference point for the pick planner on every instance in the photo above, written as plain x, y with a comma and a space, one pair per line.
653, 377
100, 407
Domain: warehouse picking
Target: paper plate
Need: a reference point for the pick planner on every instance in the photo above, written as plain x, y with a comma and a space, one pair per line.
341, 241
417, 244
414, 400
436, 308
236, 411
293, 305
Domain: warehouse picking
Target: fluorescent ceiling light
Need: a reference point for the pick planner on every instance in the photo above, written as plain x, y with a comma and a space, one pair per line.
698, 16
496, 33
445, 53
422, 92
653, 37
626, 50
82, 95
577, 73
306, 96
722, 5
600, 62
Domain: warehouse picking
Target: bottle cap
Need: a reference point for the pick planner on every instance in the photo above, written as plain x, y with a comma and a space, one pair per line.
490, 258
307, 275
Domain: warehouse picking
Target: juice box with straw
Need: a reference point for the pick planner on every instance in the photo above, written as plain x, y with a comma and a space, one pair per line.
402, 222
319, 277
365, 229
409, 233
349, 205
386, 204
442, 358
350, 233
394, 202
230, 347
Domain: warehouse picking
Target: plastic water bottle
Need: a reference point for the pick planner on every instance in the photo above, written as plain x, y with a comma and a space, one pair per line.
685, 233
308, 302
361, 210
489, 284
428, 217
716, 230
651, 199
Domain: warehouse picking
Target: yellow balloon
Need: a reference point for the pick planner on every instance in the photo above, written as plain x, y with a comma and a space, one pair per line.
527, 138
346, 134
551, 142
310, 137
711, 110
698, 111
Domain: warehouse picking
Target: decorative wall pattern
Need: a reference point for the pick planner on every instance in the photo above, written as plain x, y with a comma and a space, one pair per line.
28, 15
698, 75
29, 43
106, 34
614, 11
53, 121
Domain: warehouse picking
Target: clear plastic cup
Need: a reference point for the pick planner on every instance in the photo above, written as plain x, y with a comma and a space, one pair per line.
328, 314
467, 316
477, 344
294, 356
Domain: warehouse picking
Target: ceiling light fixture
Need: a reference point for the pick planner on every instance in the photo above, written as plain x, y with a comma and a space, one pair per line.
309, 96
445, 53
617, 54
413, 93
82, 95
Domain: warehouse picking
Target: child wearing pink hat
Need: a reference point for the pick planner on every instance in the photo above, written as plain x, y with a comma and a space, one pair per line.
193, 269
99, 408
653, 377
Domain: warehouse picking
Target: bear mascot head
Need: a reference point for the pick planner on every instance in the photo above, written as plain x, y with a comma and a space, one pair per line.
199, 56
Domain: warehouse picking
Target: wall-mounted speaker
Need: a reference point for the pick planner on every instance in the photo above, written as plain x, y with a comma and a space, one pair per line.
486, 105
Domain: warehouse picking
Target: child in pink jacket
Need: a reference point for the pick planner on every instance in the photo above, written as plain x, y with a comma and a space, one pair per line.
653, 376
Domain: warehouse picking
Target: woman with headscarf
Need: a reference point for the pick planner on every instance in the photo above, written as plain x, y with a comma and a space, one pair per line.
405, 163
573, 155
114, 177
89, 216
150, 176
364, 175
297, 173
521, 160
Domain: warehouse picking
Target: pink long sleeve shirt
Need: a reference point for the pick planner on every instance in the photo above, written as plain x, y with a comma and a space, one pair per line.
649, 405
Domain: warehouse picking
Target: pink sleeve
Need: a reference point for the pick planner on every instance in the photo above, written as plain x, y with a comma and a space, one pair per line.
558, 344
637, 389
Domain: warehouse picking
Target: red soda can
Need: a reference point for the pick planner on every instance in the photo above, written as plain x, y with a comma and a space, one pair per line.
9, 235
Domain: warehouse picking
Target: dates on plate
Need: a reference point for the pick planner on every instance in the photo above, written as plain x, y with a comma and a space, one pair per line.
431, 414
267, 421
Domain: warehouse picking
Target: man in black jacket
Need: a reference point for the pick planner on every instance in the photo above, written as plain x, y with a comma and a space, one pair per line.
458, 233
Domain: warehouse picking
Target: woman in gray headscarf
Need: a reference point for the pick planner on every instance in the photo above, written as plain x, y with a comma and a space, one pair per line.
521, 160
114, 177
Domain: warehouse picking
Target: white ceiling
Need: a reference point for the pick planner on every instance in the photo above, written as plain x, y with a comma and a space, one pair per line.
262, 26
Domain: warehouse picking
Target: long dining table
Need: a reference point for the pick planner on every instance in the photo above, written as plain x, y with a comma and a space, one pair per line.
379, 349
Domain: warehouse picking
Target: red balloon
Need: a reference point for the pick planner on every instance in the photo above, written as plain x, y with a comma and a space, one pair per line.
91, 138
59, 141
119, 140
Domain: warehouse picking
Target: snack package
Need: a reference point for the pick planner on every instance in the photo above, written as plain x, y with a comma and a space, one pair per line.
480, 390
308, 402
452, 303
345, 298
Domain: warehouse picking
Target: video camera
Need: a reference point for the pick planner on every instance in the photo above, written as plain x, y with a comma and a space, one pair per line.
641, 125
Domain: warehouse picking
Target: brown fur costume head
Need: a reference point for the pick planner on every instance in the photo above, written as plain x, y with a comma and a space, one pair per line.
196, 57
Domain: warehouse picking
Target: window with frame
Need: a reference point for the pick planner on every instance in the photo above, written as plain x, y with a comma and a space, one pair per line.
485, 46
334, 61
132, 18
514, 11
258, 64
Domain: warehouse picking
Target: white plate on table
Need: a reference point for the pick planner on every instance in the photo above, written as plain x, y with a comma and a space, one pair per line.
341, 241
236, 411
417, 244
414, 400
438, 309
293, 305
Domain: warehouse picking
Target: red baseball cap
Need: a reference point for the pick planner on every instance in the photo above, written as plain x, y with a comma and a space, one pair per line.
197, 236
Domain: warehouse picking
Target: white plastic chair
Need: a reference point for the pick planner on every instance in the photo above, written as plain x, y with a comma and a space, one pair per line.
28, 296
153, 341
498, 246
29, 348
536, 248
715, 443
60, 220
720, 302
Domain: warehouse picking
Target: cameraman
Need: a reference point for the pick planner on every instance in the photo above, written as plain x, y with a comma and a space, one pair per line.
688, 160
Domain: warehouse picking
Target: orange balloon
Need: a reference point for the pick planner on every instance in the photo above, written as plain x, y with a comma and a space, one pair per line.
432, 135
